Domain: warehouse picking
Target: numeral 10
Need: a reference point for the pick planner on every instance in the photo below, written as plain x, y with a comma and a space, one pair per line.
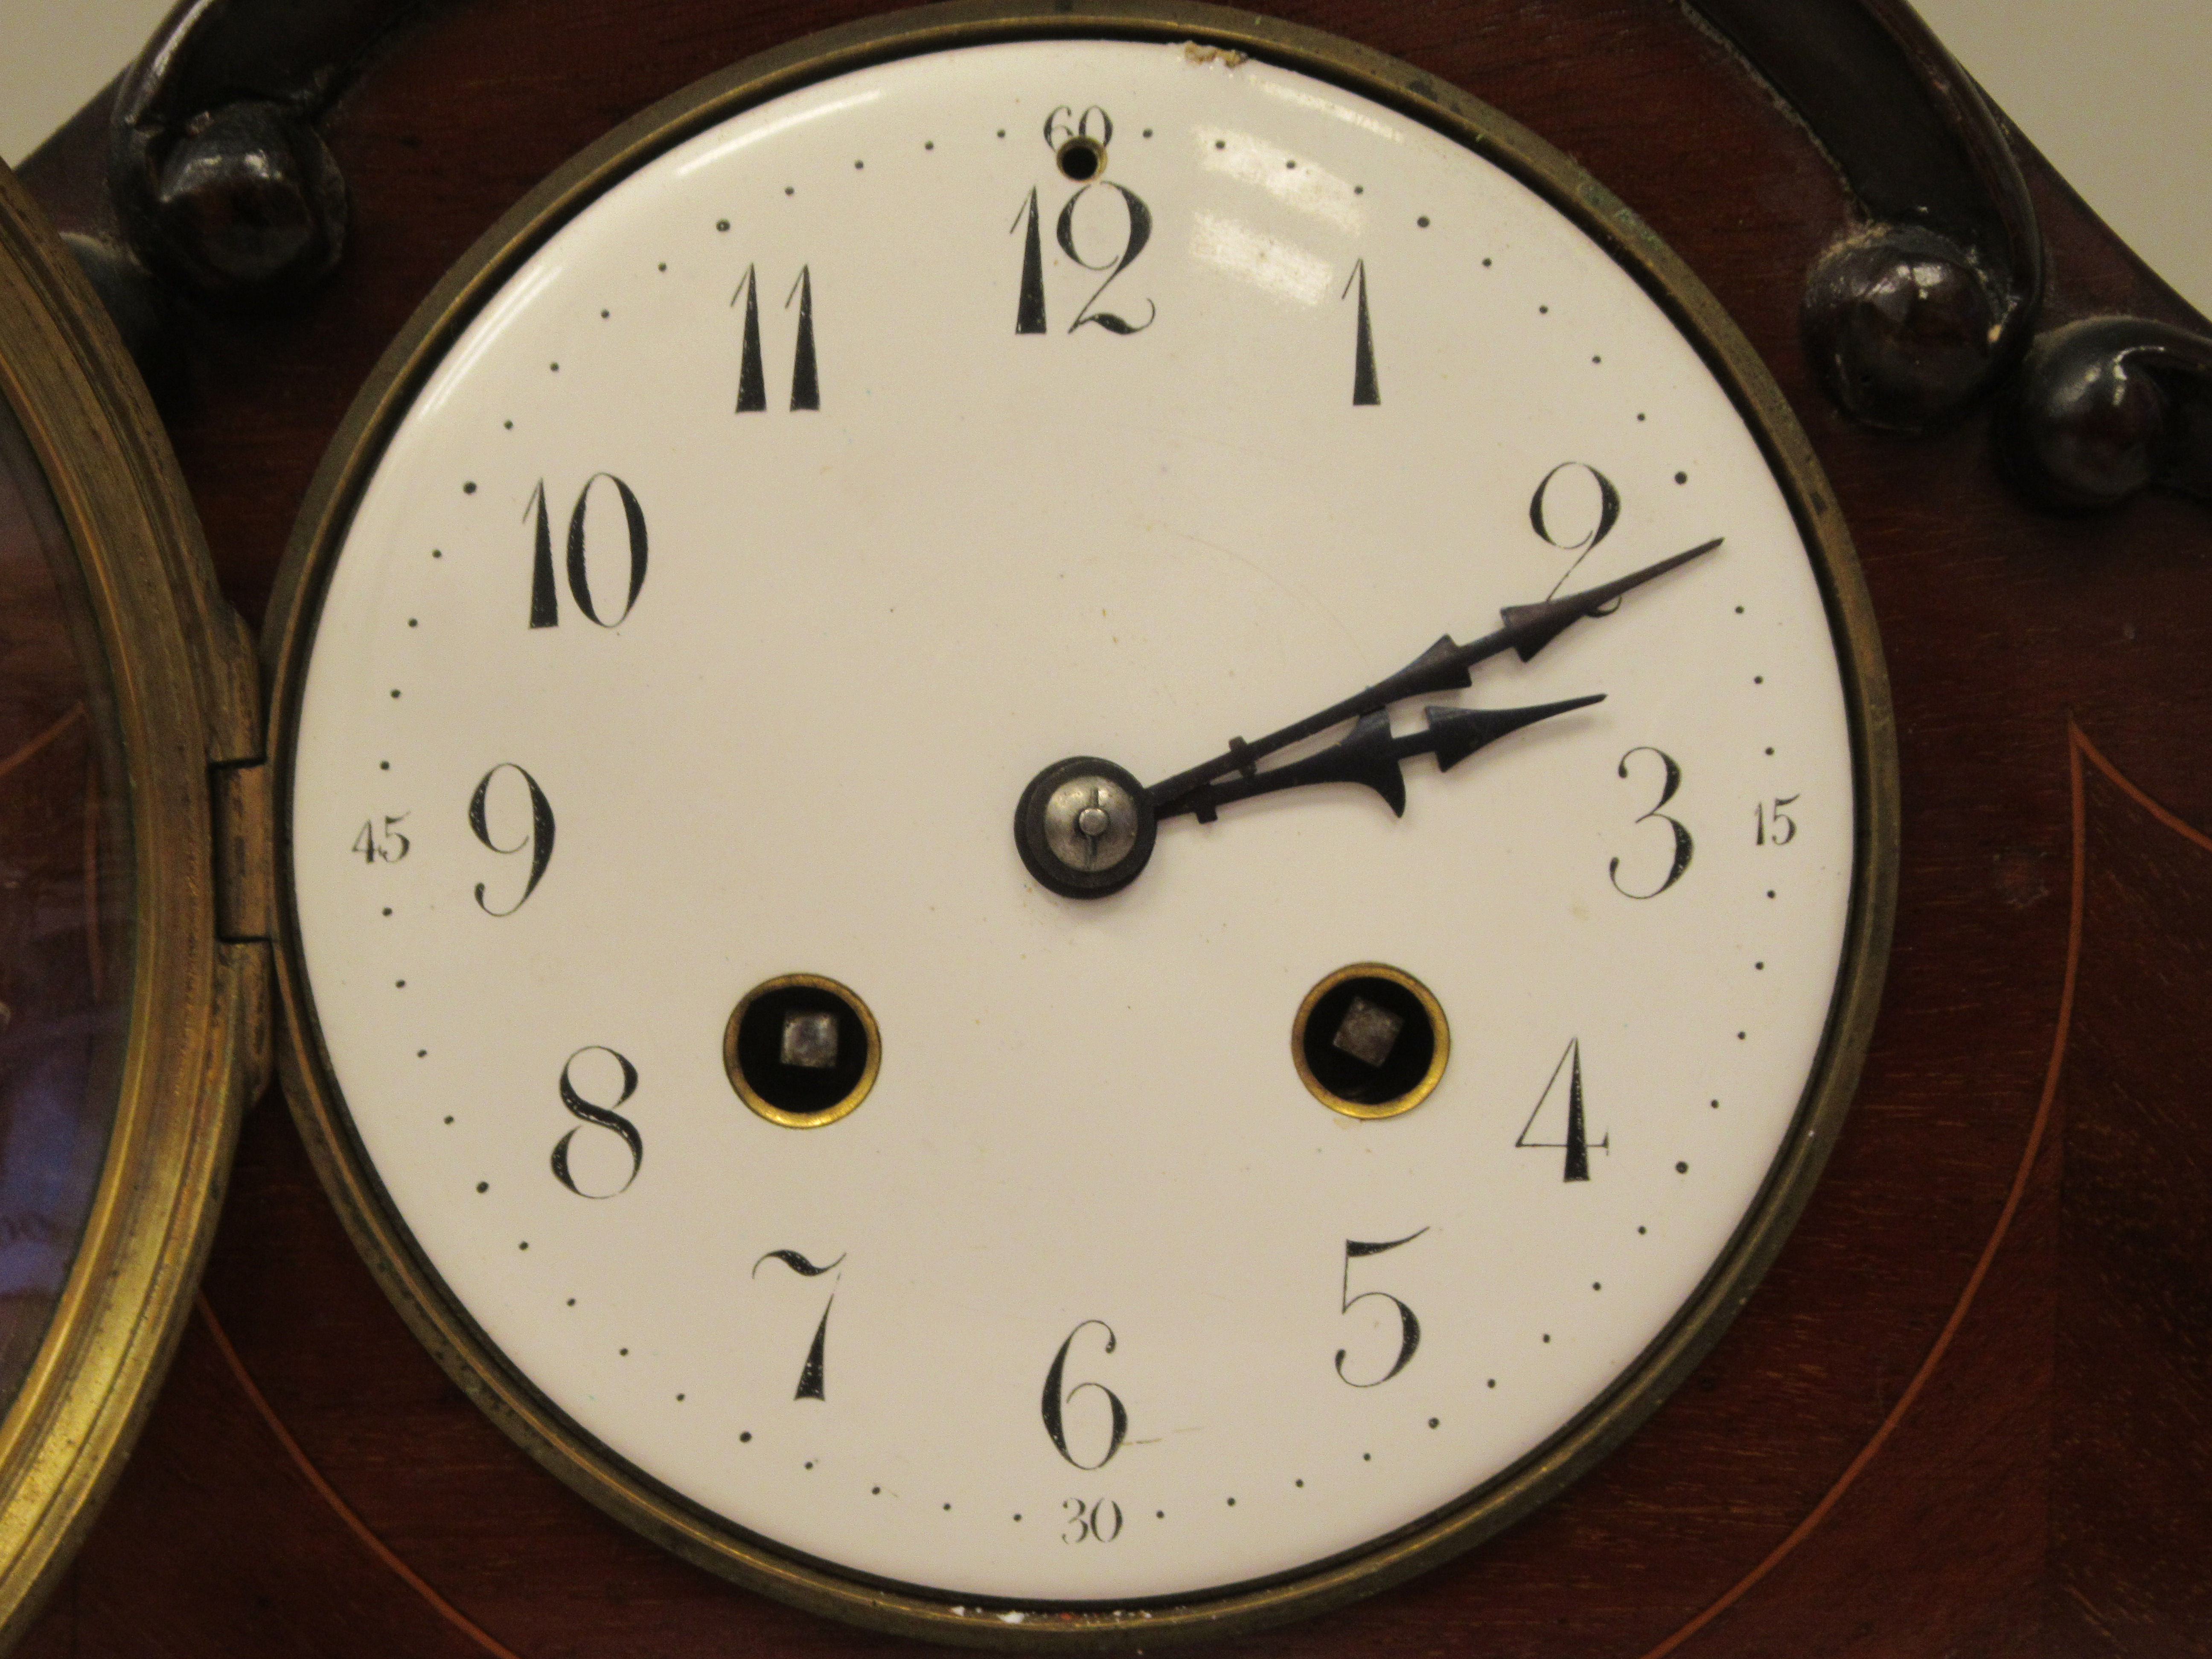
545, 598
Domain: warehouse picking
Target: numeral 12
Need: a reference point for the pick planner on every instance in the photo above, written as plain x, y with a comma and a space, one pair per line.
1029, 309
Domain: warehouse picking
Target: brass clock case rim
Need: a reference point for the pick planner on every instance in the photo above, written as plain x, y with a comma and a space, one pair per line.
1413, 1096
539, 1426
179, 694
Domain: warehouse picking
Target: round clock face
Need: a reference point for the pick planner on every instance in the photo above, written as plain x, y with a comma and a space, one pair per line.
812, 1155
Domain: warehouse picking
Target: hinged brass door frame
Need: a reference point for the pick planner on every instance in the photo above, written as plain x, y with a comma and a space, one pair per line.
197, 1031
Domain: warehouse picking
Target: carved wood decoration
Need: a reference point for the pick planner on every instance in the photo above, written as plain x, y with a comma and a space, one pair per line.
1969, 1411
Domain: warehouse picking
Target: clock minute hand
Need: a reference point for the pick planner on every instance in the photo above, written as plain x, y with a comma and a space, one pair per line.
1442, 667
1370, 755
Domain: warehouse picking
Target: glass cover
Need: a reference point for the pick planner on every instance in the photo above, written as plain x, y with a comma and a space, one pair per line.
65, 907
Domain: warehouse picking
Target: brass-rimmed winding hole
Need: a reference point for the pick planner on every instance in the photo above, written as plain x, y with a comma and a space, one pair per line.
1081, 158
802, 1050
1370, 1041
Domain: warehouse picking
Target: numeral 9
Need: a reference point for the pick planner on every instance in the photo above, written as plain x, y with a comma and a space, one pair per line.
538, 843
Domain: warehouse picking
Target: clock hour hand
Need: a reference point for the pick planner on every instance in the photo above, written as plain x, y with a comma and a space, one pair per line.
1442, 667
1085, 826
1370, 755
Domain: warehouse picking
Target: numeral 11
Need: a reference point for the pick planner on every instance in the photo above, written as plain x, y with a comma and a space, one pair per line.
752, 376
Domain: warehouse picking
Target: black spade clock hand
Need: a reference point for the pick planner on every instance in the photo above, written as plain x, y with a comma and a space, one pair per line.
1085, 826
1442, 667
1370, 755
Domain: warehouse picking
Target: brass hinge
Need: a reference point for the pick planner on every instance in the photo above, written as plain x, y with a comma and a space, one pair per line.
238, 795
238, 799
243, 859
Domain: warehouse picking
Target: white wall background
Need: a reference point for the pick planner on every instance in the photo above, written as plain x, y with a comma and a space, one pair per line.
2113, 91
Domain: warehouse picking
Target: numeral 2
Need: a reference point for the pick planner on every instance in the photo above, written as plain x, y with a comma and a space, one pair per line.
1543, 516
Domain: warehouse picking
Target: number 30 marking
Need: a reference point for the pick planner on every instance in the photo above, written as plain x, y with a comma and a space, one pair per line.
1098, 1521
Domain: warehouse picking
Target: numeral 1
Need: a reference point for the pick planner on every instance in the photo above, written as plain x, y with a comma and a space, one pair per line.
1365, 391
1028, 310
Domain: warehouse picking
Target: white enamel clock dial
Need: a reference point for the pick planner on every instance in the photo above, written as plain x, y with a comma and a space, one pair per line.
717, 590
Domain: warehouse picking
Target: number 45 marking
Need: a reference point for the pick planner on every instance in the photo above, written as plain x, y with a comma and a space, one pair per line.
386, 845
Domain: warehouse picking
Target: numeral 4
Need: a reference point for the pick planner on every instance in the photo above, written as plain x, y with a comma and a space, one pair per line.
1561, 1108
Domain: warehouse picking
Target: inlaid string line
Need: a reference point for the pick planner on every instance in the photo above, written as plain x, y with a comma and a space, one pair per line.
91, 836
375, 1545
41, 740
2078, 748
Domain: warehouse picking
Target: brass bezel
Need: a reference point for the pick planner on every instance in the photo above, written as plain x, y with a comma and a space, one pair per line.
1413, 1096
180, 693
461, 1346
774, 1114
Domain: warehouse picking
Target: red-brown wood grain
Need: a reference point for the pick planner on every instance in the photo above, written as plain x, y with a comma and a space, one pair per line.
2044, 1489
